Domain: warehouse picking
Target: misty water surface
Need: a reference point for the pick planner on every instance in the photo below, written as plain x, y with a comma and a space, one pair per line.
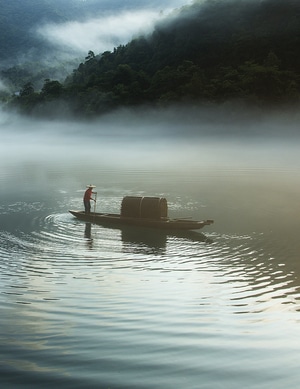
87, 306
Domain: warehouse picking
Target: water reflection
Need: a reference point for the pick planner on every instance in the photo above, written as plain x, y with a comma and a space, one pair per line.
88, 235
142, 240
158, 238
146, 240
164, 297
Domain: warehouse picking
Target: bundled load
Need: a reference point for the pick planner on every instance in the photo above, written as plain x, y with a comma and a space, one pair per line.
144, 207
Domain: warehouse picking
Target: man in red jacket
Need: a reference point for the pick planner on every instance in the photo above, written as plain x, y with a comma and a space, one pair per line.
88, 197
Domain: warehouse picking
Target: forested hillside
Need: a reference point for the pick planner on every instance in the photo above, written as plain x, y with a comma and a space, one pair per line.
217, 51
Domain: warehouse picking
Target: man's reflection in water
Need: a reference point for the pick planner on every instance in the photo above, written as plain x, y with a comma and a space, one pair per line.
88, 234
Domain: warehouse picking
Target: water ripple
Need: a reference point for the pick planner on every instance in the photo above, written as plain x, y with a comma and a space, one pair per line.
56, 247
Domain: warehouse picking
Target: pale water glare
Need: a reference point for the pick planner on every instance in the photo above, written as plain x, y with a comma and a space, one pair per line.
83, 306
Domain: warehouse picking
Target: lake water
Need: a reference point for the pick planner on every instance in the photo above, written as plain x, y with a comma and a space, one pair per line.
83, 306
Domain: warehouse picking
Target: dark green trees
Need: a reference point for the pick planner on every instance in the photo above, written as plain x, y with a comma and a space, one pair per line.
213, 52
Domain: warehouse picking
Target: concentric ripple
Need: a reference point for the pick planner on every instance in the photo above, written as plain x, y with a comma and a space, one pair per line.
56, 246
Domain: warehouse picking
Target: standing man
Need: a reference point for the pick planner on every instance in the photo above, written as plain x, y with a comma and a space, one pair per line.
88, 197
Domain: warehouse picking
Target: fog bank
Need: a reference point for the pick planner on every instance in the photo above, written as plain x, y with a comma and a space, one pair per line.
208, 120
99, 34
178, 138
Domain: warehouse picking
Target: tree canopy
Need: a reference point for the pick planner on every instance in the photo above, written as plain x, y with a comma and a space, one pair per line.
216, 51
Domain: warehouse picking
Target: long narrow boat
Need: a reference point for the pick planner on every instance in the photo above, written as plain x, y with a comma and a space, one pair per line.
115, 220
142, 212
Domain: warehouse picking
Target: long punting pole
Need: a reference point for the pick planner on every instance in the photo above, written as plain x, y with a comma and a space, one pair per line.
95, 206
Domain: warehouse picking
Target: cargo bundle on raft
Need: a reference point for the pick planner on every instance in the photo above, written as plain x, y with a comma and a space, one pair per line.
142, 212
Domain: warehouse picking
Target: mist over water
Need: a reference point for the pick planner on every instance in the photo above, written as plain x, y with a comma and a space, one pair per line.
244, 164
89, 306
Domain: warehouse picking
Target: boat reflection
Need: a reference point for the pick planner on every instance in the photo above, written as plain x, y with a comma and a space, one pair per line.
140, 240
145, 240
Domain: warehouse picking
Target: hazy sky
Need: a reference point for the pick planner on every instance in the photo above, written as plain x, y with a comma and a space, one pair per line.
117, 24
